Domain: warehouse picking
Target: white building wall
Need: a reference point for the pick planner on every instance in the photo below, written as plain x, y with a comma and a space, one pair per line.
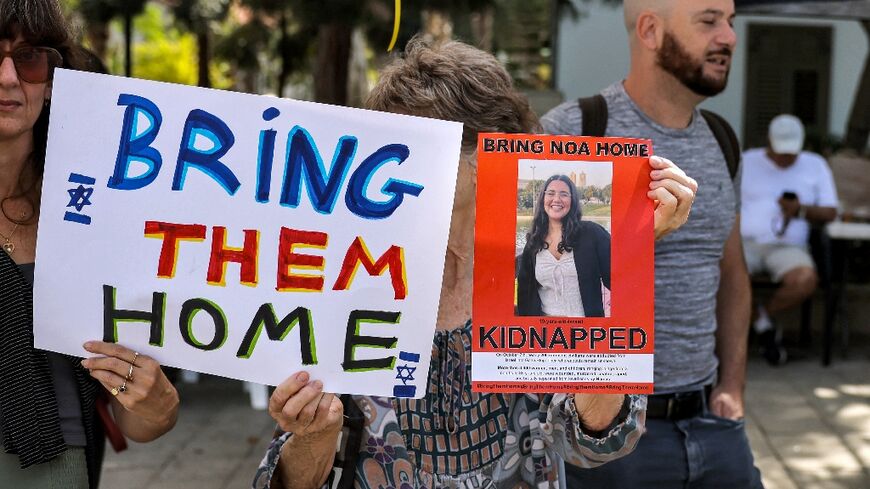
593, 52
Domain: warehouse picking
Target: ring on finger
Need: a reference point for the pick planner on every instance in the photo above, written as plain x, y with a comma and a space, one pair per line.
129, 376
135, 356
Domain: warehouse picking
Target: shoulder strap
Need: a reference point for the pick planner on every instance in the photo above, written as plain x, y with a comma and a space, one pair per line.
726, 138
594, 110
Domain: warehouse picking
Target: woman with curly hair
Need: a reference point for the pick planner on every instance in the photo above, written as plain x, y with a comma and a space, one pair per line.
452, 437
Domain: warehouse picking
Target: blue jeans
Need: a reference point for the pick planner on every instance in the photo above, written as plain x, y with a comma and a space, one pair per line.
704, 452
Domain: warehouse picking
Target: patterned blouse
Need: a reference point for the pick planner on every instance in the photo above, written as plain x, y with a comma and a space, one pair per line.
456, 438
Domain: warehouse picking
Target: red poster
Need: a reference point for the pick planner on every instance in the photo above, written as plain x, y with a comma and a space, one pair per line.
563, 265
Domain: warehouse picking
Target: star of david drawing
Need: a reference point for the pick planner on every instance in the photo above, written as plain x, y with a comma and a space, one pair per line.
405, 373
80, 197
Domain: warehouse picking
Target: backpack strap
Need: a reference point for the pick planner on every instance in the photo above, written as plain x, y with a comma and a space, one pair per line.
726, 138
594, 111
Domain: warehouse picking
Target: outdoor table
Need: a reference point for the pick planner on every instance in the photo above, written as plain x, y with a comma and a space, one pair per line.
845, 238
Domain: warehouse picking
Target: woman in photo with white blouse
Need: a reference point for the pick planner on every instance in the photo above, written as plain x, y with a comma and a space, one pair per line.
566, 260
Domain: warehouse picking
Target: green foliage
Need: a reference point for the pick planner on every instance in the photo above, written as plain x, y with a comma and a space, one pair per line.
167, 59
526, 197
70, 5
200, 14
204, 18
276, 40
276, 28
589, 193
243, 44
598, 195
103, 11
596, 210
321, 12
167, 54
607, 193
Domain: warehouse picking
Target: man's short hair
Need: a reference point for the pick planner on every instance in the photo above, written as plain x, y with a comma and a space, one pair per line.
631, 10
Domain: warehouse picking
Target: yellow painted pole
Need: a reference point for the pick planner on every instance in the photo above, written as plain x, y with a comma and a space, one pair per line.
396, 21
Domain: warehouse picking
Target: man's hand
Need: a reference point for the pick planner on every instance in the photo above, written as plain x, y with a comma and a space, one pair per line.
673, 191
790, 207
727, 403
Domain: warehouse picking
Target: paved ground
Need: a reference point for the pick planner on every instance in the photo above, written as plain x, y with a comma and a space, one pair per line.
218, 442
809, 428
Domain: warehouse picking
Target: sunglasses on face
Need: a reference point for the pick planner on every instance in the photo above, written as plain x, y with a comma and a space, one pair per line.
33, 64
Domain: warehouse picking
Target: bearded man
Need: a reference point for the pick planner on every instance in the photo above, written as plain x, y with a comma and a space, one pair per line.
680, 55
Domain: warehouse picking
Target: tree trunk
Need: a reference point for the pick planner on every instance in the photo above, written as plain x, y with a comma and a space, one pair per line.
357, 81
284, 72
128, 44
202, 39
858, 127
331, 63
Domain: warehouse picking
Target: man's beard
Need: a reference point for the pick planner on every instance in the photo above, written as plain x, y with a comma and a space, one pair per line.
674, 59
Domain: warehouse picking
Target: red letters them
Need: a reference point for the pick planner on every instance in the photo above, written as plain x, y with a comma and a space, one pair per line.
246, 256
358, 253
172, 234
287, 258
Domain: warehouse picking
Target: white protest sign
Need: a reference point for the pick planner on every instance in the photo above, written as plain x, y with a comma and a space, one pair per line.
244, 236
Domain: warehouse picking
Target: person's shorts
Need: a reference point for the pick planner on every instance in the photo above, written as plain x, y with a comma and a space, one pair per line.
775, 259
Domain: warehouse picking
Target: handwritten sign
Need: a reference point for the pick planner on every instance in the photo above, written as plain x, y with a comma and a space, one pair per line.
244, 236
563, 265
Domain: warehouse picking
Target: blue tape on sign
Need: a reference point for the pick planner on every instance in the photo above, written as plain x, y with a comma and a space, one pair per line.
79, 218
409, 357
404, 390
76, 178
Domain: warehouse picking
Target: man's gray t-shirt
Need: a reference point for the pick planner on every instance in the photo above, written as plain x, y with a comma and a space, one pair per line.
687, 260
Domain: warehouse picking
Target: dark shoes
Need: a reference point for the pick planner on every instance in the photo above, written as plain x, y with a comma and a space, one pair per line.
771, 347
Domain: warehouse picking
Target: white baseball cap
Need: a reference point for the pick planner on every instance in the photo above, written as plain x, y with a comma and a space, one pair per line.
786, 134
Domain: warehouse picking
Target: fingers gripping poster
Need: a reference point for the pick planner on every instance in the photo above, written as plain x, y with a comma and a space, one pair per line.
563, 265
243, 236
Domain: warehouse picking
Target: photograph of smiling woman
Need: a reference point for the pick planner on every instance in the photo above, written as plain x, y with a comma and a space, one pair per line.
564, 267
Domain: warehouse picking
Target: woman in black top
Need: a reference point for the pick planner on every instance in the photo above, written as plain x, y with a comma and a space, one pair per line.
51, 435
557, 229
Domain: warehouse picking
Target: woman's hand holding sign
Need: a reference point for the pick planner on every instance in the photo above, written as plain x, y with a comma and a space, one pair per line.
673, 191
597, 411
144, 401
315, 419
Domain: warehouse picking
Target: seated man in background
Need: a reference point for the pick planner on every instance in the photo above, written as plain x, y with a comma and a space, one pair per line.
784, 191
